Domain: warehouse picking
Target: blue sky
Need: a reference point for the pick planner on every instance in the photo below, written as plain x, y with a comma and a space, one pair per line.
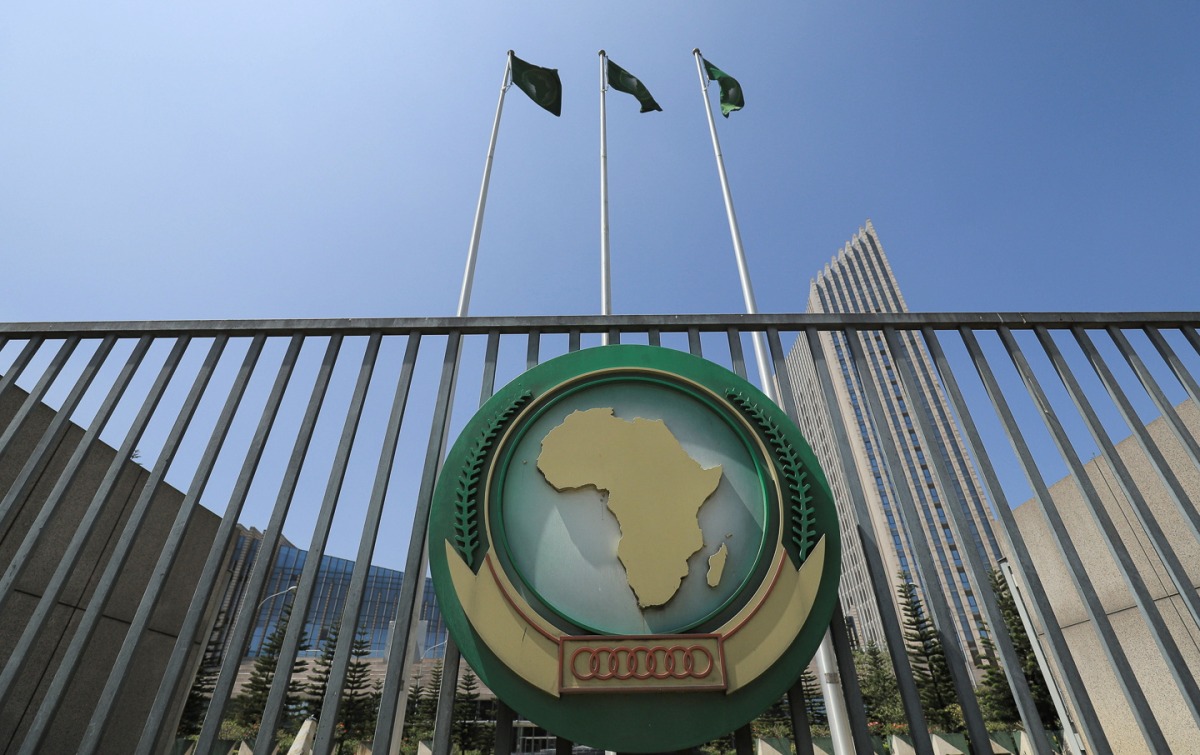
270, 159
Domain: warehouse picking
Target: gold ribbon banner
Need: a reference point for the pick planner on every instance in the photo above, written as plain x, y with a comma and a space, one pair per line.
740, 651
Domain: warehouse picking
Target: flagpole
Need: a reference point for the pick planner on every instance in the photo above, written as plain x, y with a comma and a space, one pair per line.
464, 300
605, 263
759, 339
831, 685
464, 304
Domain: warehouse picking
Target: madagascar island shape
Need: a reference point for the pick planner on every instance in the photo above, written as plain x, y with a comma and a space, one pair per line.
655, 490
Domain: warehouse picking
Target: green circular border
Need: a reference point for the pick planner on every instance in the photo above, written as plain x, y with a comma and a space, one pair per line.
635, 722
543, 403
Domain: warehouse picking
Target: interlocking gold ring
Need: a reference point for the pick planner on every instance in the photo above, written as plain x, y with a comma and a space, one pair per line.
643, 662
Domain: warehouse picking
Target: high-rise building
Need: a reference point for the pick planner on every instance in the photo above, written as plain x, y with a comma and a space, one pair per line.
859, 280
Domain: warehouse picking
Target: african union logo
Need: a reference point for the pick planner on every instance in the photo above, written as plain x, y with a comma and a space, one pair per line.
634, 548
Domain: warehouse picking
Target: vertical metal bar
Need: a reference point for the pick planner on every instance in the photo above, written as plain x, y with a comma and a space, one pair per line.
531, 352
1112, 538
490, 355
1070, 736
980, 583
1184, 377
34, 465
366, 547
654, 338
8, 379
166, 561
444, 717
614, 336
572, 340
848, 674
265, 562
58, 581
1079, 576
694, 342
798, 717
1189, 333
926, 568
413, 585
880, 583
505, 716
172, 676
845, 728
39, 391
451, 661
120, 554
735, 352
1089, 720
276, 697
743, 741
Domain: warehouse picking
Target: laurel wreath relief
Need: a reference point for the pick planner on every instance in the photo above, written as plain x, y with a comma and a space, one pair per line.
803, 519
466, 497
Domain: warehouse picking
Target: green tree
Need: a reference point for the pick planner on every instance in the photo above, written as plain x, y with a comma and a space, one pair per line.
318, 682
357, 714
928, 660
201, 692
249, 705
466, 712
880, 692
429, 702
995, 698
416, 725
814, 704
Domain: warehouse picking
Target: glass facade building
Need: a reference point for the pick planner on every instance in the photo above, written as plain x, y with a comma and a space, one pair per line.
381, 596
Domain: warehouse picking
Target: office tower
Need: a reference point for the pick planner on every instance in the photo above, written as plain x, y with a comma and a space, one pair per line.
859, 280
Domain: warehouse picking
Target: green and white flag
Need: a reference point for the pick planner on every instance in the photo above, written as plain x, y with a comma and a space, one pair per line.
731, 90
624, 81
541, 84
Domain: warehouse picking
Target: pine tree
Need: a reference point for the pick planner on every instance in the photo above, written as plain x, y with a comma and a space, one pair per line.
201, 692
356, 711
995, 698
930, 669
249, 705
318, 683
881, 694
414, 722
429, 702
814, 704
466, 711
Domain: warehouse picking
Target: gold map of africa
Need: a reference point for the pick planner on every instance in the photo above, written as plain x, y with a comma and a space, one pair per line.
655, 490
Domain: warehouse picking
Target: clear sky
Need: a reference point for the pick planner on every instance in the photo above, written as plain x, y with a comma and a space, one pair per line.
295, 159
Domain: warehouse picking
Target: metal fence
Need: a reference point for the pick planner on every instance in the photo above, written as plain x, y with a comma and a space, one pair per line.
333, 430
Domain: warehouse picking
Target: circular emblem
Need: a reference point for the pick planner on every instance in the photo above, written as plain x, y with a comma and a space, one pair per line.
628, 520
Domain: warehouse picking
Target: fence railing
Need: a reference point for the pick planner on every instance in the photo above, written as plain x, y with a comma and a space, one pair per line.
115, 438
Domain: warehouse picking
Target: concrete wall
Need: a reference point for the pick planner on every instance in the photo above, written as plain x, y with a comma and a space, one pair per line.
146, 670
1152, 673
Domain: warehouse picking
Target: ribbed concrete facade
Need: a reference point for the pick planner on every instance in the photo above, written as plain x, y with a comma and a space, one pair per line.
859, 280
